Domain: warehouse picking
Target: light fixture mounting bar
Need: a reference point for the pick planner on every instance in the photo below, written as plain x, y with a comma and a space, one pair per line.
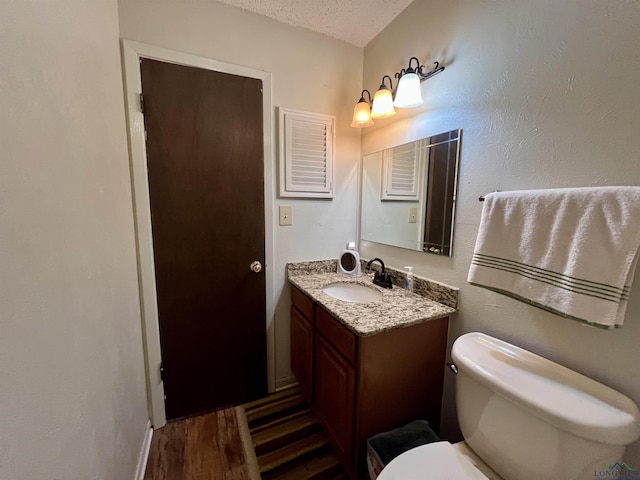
436, 70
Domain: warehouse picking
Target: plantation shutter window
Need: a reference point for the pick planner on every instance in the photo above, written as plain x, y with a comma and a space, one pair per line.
401, 172
306, 154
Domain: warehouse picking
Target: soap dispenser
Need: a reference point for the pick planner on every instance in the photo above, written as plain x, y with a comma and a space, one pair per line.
408, 282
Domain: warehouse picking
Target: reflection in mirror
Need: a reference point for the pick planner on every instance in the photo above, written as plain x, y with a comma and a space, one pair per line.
409, 192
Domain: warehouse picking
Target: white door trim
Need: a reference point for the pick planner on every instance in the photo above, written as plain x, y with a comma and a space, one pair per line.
143, 456
131, 53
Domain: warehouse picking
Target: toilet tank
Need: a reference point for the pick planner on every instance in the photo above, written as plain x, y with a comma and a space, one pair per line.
529, 418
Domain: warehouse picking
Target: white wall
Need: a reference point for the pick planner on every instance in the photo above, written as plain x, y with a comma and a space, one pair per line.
72, 385
385, 221
546, 93
309, 72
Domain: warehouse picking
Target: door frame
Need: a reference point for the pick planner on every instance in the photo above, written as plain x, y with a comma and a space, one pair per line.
132, 52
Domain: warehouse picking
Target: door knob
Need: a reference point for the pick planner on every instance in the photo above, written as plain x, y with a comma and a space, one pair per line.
256, 266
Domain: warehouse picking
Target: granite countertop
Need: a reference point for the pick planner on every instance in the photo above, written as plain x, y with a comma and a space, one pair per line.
398, 307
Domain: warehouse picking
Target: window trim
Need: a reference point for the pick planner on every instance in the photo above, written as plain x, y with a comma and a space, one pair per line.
287, 117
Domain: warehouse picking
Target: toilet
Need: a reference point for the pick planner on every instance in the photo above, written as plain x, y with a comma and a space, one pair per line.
523, 417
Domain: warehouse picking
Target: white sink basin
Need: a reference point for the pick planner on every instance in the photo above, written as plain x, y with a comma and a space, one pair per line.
352, 292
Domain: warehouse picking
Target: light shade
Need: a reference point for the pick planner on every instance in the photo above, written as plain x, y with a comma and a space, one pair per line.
362, 114
408, 93
383, 104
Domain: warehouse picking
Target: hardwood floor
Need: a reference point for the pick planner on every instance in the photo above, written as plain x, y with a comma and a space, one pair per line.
206, 447
275, 438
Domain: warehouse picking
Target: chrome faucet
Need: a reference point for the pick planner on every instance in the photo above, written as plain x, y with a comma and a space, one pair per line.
381, 278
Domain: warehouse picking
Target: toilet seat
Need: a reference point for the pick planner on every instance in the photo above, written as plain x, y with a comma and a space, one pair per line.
437, 461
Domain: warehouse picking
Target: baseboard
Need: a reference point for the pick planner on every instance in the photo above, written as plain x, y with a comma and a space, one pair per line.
144, 453
285, 382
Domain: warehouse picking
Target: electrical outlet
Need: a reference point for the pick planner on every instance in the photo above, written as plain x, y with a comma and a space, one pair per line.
286, 215
413, 214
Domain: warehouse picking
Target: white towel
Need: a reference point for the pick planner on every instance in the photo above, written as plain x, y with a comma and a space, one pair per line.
571, 251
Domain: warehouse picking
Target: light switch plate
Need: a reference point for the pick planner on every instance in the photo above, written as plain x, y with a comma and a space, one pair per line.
286, 215
413, 214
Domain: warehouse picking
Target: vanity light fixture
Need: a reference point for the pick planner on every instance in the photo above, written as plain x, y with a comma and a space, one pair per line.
383, 101
362, 112
407, 94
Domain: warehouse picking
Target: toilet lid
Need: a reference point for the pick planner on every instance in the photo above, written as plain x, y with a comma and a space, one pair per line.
434, 461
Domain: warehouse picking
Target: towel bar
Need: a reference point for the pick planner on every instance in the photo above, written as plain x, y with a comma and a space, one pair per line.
481, 198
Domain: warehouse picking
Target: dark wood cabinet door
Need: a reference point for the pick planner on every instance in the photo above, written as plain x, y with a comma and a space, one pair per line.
302, 352
335, 397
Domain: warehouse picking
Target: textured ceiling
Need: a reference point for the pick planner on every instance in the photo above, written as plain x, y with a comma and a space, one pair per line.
354, 21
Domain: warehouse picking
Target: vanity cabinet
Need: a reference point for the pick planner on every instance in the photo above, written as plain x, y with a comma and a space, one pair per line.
335, 381
360, 386
302, 341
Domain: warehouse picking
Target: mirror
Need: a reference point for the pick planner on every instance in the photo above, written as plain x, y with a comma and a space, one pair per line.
409, 194
349, 263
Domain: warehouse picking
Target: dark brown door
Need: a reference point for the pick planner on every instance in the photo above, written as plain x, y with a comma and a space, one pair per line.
206, 187
441, 192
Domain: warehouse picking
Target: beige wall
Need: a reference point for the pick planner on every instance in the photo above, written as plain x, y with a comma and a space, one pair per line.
72, 386
546, 93
309, 72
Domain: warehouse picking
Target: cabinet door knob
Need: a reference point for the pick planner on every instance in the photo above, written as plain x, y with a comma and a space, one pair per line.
256, 266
